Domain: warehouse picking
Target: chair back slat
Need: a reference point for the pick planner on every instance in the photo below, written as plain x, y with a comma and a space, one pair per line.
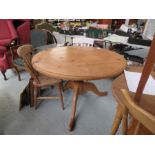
41, 37
25, 52
83, 42
148, 67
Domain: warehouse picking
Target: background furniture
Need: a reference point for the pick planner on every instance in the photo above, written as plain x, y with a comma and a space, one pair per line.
8, 34
83, 42
41, 37
77, 64
23, 30
39, 81
22, 27
44, 25
4, 62
13, 33
97, 33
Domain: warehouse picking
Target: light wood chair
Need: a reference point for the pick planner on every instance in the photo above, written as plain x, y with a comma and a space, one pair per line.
83, 42
39, 80
147, 102
142, 116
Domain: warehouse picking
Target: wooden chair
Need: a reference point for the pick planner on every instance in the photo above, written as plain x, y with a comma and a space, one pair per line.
145, 101
17, 62
39, 80
41, 37
142, 116
83, 42
38, 38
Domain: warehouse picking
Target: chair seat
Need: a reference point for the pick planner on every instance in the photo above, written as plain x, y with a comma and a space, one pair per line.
46, 81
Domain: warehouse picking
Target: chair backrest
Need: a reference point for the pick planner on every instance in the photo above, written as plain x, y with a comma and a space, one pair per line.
144, 117
41, 37
83, 42
25, 52
7, 32
44, 25
23, 30
148, 67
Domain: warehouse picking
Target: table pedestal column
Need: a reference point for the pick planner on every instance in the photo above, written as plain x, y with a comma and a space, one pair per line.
80, 87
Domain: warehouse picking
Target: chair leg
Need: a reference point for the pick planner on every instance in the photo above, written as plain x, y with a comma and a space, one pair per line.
32, 92
3, 73
35, 97
60, 94
137, 128
17, 71
117, 120
125, 121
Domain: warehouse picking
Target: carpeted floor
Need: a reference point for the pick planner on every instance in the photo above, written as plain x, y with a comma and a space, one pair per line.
95, 114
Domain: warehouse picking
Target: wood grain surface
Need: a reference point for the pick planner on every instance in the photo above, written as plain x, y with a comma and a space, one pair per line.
79, 63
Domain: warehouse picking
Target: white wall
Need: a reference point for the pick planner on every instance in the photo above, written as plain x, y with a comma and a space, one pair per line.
149, 29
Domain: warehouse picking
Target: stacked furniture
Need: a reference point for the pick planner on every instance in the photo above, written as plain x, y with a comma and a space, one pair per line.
97, 33
13, 33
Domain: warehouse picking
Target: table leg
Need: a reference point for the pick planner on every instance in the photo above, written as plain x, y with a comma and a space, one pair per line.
84, 87
80, 87
74, 103
68, 85
88, 86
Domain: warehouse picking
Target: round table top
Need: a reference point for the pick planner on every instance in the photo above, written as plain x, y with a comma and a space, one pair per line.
78, 63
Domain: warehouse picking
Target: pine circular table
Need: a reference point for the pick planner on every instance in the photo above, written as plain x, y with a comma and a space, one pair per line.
77, 65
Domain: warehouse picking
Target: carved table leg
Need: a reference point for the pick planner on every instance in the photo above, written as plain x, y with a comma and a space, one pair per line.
88, 86
60, 94
74, 102
84, 87
68, 85
80, 87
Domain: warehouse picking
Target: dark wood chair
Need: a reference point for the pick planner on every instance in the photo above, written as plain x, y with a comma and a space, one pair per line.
38, 38
39, 81
41, 37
